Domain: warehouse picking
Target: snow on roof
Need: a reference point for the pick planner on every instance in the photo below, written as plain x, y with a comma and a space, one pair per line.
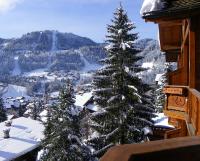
25, 135
44, 113
55, 94
81, 100
10, 117
147, 65
92, 107
161, 120
151, 5
27, 112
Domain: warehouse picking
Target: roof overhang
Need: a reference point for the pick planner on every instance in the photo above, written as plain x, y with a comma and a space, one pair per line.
178, 9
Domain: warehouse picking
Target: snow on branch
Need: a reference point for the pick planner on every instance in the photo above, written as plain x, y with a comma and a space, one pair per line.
112, 133
133, 87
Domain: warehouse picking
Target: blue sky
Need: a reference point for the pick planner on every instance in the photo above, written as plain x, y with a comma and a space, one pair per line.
83, 17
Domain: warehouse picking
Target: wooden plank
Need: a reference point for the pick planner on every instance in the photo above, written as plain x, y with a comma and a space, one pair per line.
171, 23
176, 108
185, 38
192, 80
173, 90
191, 130
172, 133
186, 64
175, 114
168, 47
161, 36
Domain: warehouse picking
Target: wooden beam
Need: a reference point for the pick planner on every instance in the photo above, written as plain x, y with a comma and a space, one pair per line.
160, 36
171, 23
171, 47
173, 90
192, 74
175, 114
185, 37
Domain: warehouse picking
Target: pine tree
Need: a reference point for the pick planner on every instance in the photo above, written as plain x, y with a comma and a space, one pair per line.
62, 131
125, 110
159, 95
3, 116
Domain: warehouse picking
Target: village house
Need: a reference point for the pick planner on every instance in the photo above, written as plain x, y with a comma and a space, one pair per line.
20, 139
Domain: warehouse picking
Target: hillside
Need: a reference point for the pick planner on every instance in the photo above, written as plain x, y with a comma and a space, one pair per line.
41, 60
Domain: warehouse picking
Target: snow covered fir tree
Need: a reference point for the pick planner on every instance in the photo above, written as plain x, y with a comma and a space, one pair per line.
3, 115
62, 131
159, 95
120, 94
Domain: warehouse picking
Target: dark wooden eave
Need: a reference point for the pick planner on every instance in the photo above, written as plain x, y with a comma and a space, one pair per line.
176, 9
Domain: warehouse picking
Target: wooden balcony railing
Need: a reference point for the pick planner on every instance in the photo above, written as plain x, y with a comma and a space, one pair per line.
183, 149
183, 107
194, 111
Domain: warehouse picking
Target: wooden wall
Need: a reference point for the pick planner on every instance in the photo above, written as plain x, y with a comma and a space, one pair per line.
196, 21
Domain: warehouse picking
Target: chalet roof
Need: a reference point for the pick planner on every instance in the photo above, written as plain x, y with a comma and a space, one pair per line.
175, 9
25, 136
82, 99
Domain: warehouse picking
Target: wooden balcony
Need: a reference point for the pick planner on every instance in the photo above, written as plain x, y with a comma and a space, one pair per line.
183, 109
183, 149
182, 143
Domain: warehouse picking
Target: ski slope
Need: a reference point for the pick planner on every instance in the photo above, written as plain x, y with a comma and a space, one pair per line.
14, 91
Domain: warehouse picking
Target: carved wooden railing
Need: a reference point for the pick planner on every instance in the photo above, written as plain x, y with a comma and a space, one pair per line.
183, 109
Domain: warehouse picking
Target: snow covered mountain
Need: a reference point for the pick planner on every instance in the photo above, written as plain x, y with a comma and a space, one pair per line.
45, 40
153, 59
40, 60
47, 49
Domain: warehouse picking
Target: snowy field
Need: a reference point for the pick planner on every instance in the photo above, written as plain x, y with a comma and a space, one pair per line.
43, 72
14, 91
88, 66
17, 70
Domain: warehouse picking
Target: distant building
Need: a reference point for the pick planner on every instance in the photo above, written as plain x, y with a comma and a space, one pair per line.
24, 141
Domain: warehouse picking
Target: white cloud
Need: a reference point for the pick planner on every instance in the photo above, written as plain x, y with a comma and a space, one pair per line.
6, 5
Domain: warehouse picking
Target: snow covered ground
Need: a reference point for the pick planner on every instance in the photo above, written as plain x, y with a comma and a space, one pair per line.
36, 73
43, 72
88, 66
17, 70
25, 135
14, 91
